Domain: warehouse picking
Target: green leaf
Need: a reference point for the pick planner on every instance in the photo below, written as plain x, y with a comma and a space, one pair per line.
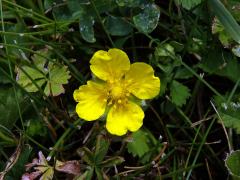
139, 144
48, 4
50, 77
117, 26
221, 63
77, 5
226, 19
179, 93
60, 11
35, 126
231, 121
183, 73
58, 75
99, 173
131, 3
232, 163
3, 77
86, 23
102, 145
147, 20
87, 175
9, 107
188, 4
164, 50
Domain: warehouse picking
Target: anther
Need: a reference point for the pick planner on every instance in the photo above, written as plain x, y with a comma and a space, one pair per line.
119, 101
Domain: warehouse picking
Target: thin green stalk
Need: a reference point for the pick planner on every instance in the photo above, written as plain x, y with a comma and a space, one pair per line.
202, 80
28, 11
10, 67
7, 139
37, 143
233, 91
62, 138
191, 149
200, 147
200, 135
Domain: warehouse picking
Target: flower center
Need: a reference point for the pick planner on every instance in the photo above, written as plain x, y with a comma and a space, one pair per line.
117, 93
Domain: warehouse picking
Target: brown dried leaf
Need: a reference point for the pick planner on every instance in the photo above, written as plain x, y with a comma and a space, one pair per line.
70, 167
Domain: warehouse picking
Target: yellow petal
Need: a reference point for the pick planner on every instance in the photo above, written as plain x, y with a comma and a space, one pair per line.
91, 100
110, 65
141, 81
120, 119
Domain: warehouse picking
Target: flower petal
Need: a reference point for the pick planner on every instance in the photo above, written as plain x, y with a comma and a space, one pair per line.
91, 100
123, 118
110, 65
141, 81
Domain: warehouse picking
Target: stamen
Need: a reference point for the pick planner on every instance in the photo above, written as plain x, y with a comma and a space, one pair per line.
119, 101
110, 102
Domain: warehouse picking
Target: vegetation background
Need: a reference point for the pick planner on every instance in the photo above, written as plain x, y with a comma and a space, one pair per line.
190, 130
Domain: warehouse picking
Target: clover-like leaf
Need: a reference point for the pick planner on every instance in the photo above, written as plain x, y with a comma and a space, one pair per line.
86, 23
147, 20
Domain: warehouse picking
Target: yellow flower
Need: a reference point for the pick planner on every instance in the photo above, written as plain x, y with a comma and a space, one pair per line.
118, 82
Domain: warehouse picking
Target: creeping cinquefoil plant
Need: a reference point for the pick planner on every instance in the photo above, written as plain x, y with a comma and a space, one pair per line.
113, 92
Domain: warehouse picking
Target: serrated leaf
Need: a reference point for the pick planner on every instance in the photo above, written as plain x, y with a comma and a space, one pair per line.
147, 20
117, 26
139, 144
49, 76
35, 126
57, 77
232, 162
179, 93
188, 4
